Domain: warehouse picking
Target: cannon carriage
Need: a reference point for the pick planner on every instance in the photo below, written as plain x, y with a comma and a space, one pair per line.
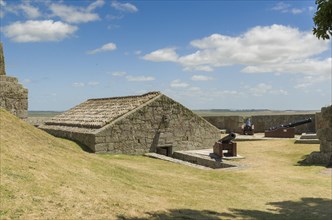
286, 130
226, 144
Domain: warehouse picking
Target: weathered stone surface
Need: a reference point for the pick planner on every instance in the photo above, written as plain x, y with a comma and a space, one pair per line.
13, 96
229, 123
324, 156
262, 122
2, 61
158, 122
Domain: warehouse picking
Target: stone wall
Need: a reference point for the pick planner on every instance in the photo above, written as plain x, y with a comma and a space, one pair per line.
13, 96
161, 122
324, 134
230, 123
2, 62
320, 122
263, 122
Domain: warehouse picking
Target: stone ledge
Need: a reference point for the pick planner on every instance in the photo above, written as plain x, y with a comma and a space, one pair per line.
306, 141
8, 79
173, 160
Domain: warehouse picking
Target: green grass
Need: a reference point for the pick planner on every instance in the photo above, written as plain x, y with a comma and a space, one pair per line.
43, 177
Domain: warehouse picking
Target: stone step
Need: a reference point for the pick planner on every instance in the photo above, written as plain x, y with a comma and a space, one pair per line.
203, 158
308, 136
306, 141
174, 160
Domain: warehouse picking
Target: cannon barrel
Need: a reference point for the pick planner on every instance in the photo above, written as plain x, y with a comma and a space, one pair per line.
293, 124
227, 139
297, 123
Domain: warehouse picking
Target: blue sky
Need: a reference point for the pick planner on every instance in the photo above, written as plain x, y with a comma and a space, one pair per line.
203, 54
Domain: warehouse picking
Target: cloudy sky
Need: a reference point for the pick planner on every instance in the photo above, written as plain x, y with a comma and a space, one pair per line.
204, 54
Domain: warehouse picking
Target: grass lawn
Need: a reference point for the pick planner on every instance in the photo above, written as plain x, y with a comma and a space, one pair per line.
43, 177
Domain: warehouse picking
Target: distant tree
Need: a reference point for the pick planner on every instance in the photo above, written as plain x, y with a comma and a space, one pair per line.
323, 19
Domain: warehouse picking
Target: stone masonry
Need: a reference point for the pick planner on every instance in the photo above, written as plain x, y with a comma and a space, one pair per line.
13, 96
262, 122
153, 123
324, 133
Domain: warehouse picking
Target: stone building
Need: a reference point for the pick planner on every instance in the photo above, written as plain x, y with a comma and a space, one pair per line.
324, 134
13, 96
134, 125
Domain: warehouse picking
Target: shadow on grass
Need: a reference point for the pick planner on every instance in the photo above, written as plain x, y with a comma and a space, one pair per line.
178, 214
306, 208
303, 162
84, 147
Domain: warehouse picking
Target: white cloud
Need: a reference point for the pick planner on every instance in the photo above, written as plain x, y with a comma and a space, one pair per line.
296, 11
260, 45
104, 48
82, 84
310, 80
314, 71
275, 49
307, 67
195, 90
198, 68
281, 6
311, 9
96, 4
287, 8
162, 55
119, 73
262, 89
73, 14
279, 92
140, 78
201, 78
30, 11
178, 84
127, 7
37, 31
78, 84
93, 83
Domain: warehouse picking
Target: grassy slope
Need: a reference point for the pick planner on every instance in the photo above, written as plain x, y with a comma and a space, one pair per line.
43, 177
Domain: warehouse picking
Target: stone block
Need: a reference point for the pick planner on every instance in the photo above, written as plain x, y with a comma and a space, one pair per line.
13, 96
99, 140
325, 134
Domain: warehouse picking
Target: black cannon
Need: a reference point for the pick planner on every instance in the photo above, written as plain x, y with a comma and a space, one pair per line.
285, 131
225, 144
293, 124
227, 139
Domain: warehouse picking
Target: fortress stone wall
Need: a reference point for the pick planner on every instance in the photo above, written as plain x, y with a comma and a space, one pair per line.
263, 122
324, 134
13, 96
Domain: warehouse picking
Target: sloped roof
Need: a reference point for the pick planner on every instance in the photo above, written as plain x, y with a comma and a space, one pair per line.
96, 113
